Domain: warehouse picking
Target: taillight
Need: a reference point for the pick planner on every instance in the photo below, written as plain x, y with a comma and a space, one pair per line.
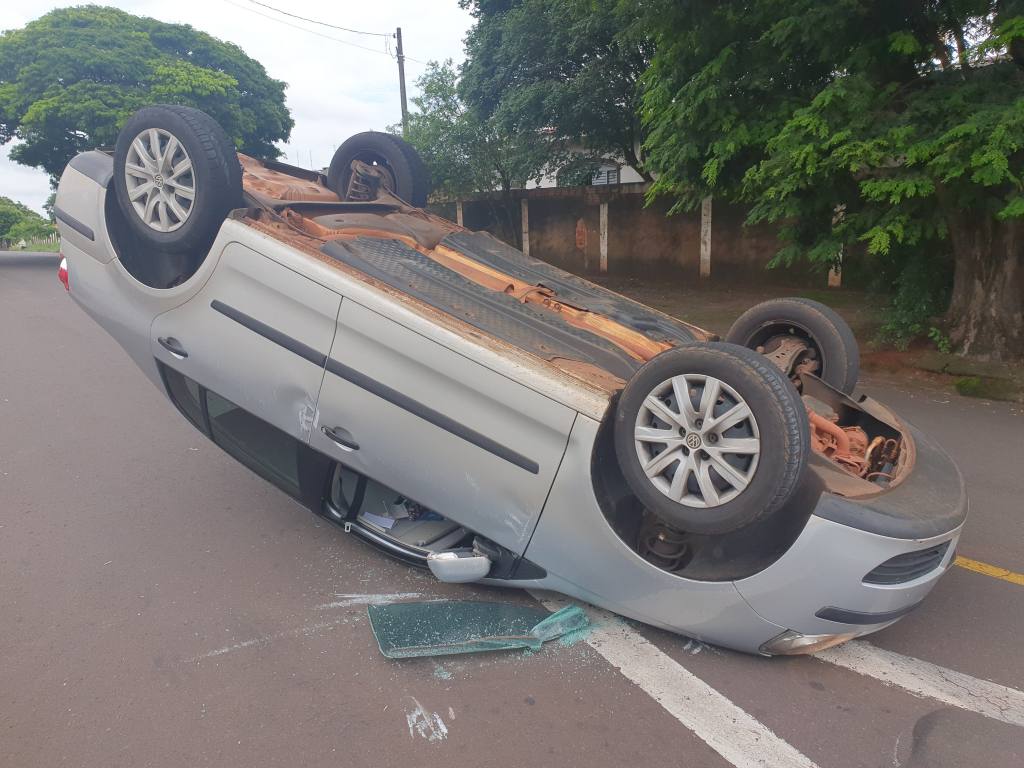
62, 273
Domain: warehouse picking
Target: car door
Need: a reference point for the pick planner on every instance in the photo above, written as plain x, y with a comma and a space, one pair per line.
284, 460
438, 427
256, 335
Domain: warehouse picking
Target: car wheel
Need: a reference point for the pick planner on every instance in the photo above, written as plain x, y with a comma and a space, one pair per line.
711, 437
833, 348
405, 175
176, 176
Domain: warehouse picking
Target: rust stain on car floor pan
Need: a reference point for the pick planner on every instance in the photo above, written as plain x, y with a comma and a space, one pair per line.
260, 180
423, 232
595, 379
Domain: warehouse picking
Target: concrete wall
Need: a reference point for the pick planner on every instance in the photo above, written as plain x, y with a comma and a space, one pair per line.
740, 253
565, 230
646, 240
553, 232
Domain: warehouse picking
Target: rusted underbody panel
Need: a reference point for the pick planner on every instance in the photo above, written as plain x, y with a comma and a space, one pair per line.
306, 214
297, 207
261, 180
866, 448
844, 442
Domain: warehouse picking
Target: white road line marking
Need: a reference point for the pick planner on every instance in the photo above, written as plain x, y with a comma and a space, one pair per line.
923, 678
741, 739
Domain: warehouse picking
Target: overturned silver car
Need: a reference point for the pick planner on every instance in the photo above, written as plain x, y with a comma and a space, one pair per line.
460, 405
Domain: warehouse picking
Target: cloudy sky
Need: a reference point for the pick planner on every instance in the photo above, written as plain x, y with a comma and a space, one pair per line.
334, 88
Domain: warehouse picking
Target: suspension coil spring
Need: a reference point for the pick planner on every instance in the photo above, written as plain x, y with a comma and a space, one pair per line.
662, 545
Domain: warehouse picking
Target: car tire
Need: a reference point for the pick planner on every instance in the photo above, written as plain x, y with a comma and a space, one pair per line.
408, 176
740, 468
829, 335
206, 186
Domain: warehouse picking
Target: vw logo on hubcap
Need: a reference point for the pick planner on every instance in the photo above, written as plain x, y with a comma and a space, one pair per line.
693, 441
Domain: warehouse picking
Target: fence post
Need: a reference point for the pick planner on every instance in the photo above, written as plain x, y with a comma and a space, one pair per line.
458, 212
524, 206
604, 237
705, 237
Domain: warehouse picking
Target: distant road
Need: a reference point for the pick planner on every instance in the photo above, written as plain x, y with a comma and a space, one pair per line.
14, 258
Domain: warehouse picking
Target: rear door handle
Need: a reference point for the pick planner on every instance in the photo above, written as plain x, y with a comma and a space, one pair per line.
340, 437
173, 346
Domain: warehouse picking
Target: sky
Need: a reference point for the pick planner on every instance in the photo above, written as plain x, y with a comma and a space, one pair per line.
334, 88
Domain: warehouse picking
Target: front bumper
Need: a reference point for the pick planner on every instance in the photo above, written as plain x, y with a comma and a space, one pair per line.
842, 541
821, 585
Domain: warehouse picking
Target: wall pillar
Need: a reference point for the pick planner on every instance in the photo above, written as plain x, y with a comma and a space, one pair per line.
458, 212
835, 275
524, 206
604, 237
705, 238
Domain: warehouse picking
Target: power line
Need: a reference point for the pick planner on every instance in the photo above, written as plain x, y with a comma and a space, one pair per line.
308, 31
407, 56
321, 23
398, 55
387, 38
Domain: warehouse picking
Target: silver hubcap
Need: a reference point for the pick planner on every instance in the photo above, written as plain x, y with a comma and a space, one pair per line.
697, 440
160, 180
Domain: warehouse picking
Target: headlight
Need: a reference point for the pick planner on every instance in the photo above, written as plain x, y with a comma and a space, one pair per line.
791, 643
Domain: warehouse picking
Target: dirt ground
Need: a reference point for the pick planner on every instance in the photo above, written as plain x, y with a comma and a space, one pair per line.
716, 307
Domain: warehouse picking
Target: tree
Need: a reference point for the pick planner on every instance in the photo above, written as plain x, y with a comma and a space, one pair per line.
896, 126
10, 214
30, 229
71, 78
465, 153
18, 222
573, 66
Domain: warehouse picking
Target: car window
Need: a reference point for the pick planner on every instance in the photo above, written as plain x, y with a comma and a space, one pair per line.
184, 393
263, 448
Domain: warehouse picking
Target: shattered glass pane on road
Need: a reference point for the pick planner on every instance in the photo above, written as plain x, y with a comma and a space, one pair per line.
446, 627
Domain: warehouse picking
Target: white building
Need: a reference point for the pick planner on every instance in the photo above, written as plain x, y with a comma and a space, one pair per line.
611, 171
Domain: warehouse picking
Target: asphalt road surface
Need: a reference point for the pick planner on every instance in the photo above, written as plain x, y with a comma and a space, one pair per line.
161, 606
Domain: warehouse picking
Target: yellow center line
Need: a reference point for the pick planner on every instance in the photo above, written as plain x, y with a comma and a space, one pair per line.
989, 570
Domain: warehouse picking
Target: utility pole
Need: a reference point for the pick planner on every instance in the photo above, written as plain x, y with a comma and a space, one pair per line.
401, 81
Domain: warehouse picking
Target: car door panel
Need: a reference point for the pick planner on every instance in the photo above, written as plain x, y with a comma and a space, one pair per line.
440, 428
257, 334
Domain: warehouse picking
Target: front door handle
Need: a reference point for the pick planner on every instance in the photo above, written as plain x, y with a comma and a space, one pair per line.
340, 437
173, 346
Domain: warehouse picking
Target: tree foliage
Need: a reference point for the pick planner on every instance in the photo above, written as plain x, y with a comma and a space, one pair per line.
70, 79
18, 222
892, 127
571, 66
465, 152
